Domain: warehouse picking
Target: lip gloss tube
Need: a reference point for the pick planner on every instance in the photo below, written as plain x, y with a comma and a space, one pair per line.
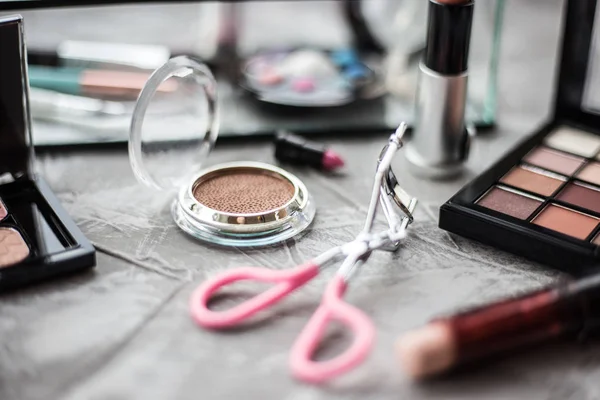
571, 309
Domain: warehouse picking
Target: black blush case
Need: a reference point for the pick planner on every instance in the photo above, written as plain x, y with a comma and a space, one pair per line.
56, 245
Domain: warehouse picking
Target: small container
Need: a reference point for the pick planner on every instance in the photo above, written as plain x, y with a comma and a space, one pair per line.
239, 204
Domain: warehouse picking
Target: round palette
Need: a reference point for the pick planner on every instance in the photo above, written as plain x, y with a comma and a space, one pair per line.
307, 77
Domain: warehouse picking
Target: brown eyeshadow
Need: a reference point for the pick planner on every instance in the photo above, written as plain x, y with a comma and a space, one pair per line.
566, 221
3, 211
553, 160
244, 192
531, 181
596, 240
581, 196
13, 248
509, 203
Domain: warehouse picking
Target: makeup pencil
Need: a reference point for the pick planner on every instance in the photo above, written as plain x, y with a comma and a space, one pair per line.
569, 309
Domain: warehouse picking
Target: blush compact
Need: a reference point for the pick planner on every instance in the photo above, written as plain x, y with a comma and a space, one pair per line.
542, 199
38, 239
238, 203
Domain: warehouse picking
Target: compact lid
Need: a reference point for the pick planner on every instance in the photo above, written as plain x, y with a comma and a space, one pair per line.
577, 97
16, 150
180, 98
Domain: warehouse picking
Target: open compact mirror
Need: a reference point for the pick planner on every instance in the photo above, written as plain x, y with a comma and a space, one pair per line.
242, 203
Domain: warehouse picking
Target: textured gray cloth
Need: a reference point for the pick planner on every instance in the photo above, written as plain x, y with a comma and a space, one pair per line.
123, 331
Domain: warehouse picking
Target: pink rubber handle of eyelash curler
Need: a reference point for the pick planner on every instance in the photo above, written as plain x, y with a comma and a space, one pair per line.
331, 308
286, 282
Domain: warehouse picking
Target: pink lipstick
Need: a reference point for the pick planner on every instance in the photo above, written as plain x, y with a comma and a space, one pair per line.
293, 149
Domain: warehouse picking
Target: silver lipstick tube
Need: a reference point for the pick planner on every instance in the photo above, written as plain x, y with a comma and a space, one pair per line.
440, 142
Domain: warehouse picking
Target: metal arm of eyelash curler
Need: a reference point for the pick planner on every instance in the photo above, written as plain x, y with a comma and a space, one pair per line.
383, 166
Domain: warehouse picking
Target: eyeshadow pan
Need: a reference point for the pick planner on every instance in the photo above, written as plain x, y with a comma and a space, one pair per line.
553, 160
3, 211
244, 192
582, 196
532, 181
590, 173
566, 221
574, 141
596, 240
509, 203
13, 248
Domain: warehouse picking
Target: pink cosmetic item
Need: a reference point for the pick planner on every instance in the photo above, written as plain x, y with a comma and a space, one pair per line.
332, 307
3, 212
293, 149
304, 85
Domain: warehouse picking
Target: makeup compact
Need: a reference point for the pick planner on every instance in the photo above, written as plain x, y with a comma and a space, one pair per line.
307, 77
542, 199
38, 239
232, 204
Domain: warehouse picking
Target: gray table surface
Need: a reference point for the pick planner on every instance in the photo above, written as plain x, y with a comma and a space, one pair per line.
123, 331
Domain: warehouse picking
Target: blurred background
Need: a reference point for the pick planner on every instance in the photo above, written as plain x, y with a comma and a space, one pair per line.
347, 66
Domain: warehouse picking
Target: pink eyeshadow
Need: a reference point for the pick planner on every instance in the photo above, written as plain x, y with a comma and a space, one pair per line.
553, 160
3, 211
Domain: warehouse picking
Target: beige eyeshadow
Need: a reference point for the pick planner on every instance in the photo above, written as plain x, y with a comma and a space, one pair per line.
244, 192
574, 141
532, 181
509, 203
596, 240
590, 173
566, 221
13, 248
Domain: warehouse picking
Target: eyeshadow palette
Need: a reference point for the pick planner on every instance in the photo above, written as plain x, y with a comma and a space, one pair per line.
542, 199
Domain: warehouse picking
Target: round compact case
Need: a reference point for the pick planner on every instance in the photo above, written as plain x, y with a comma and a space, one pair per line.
241, 203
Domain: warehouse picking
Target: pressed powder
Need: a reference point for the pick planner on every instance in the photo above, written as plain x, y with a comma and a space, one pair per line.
590, 173
244, 192
532, 181
13, 248
3, 211
553, 160
574, 141
587, 197
509, 203
564, 220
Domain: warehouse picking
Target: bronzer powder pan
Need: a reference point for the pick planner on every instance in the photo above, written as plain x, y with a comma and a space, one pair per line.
239, 204
541, 200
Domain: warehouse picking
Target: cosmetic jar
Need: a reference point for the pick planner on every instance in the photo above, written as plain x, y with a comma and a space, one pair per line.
241, 203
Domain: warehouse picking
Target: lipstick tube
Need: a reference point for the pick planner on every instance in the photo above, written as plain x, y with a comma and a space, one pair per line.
440, 142
571, 309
